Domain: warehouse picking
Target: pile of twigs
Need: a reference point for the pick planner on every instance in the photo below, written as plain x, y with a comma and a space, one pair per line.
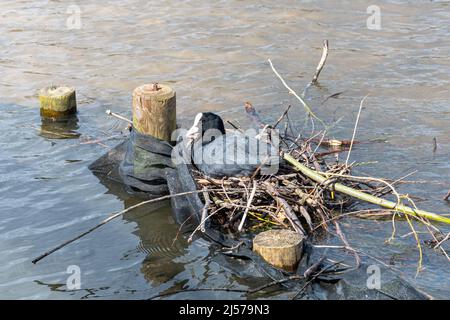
308, 193
288, 199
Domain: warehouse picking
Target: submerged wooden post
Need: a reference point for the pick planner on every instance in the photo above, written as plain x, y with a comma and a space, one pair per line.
57, 102
281, 248
154, 110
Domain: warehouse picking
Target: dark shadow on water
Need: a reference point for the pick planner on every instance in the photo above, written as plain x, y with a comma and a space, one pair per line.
160, 239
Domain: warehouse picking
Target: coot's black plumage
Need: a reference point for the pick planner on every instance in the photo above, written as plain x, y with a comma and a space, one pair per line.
218, 154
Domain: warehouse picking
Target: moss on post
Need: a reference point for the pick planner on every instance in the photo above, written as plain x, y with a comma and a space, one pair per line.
57, 102
281, 248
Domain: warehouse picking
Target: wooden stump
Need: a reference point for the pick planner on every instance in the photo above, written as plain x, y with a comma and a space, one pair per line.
281, 248
154, 110
57, 102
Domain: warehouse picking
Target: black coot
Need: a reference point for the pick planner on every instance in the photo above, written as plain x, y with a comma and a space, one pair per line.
218, 154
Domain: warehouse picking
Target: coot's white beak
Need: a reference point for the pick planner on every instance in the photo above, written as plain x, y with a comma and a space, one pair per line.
194, 133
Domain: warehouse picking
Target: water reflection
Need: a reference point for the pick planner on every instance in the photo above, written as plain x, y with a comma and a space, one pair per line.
159, 240
159, 235
65, 128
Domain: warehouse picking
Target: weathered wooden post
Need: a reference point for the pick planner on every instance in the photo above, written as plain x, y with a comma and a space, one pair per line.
154, 110
281, 248
57, 102
154, 115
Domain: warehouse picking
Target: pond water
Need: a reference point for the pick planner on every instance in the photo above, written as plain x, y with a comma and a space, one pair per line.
215, 56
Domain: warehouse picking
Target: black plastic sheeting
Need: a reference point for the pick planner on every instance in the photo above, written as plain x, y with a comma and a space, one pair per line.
149, 168
140, 163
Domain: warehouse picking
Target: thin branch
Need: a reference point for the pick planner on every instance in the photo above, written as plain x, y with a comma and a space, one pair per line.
344, 240
118, 116
199, 227
322, 61
249, 202
314, 277
354, 130
303, 102
247, 291
446, 198
166, 294
281, 117
114, 216
205, 209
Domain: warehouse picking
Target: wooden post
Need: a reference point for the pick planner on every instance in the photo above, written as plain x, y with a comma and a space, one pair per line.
57, 102
154, 110
281, 248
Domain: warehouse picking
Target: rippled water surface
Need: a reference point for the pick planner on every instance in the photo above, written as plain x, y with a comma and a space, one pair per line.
215, 55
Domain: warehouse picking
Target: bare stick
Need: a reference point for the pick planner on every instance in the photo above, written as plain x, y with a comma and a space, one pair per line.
165, 294
249, 202
118, 214
247, 291
289, 213
447, 196
205, 209
382, 192
311, 270
322, 61
442, 241
118, 116
281, 117
275, 282
354, 130
303, 102
416, 236
344, 240
234, 126
313, 278
199, 226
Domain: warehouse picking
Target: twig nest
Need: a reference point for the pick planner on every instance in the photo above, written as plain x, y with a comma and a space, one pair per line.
57, 101
281, 248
